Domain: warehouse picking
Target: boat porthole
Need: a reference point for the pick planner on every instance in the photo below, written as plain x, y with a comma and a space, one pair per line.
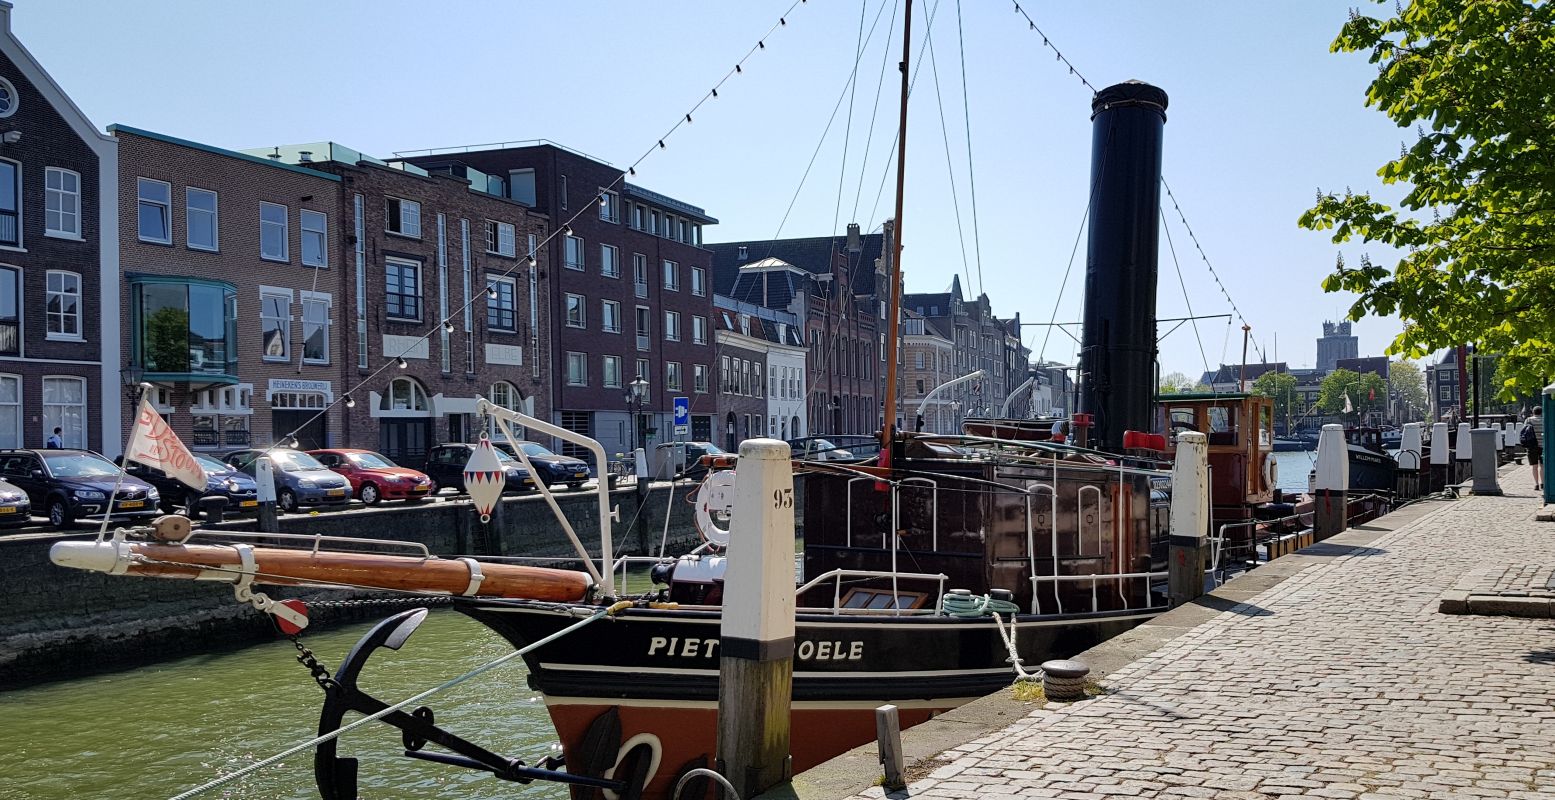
656, 753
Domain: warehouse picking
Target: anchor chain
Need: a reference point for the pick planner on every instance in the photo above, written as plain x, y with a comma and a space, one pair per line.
320, 673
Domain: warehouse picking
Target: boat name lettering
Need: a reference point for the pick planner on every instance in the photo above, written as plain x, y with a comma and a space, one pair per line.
689, 647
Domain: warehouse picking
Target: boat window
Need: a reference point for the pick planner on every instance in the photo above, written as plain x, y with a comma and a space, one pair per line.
881, 599
1222, 425
1181, 419
1265, 427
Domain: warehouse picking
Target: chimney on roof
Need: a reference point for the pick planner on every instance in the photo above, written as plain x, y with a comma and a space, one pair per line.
304, 156
855, 244
744, 253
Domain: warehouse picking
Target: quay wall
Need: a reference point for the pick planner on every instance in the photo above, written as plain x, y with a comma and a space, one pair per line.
59, 623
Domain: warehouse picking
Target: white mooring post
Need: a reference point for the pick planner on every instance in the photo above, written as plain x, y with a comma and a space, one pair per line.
1332, 501
1409, 460
264, 475
1441, 457
756, 642
1190, 518
1485, 461
1463, 453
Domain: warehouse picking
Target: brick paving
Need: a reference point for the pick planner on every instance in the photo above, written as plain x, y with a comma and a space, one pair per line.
1342, 682
1510, 580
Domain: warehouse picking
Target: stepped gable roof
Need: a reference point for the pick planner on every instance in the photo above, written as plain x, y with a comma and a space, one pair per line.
812, 255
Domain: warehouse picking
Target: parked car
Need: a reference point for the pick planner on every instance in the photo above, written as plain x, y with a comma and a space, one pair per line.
549, 467
221, 479
445, 466
71, 484
374, 478
814, 448
15, 508
300, 480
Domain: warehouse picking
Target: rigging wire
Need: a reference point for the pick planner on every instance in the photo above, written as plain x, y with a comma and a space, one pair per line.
1202, 255
950, 167
847, 129
564, 229
971, 173
1192, 319
885, 60
1090, 202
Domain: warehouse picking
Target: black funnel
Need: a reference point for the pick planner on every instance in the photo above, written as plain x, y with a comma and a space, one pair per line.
1118, 353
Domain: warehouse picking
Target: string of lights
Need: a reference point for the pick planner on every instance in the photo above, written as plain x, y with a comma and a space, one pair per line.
1205, 257
565, 229
1048, 43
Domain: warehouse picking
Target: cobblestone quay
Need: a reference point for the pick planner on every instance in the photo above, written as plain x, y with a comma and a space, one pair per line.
1341, 681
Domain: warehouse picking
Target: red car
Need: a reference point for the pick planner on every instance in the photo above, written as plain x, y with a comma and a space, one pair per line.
373, 477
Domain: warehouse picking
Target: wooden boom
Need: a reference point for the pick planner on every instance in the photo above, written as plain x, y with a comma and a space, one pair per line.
283, 567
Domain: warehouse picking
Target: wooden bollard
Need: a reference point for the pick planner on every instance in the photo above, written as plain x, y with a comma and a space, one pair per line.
1330, 513
888, 736
756, 641
1441, 457
1190, 518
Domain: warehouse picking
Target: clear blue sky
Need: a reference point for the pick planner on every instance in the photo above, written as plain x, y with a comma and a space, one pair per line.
1261, 116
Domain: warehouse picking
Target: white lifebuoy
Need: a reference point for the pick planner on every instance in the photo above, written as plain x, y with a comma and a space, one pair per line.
1271, 471
654, 746
715, 501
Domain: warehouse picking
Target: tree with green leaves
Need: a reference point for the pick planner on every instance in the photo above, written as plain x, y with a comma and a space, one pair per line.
1178, 383
1281, 386
1367, 392
1409, 388
1475, 231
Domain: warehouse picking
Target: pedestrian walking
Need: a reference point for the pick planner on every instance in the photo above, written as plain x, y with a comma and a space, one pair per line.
55, 440
1532, 440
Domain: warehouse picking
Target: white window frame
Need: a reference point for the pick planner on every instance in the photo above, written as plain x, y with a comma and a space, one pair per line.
610, 261
570, 245
189, 213
698, 282
316, 299
86, 403
14, 98
583, 310
322, 230
673, 381
14, 411
50, 193
286, 235
408, 219
698, 329
581, 359
605, 315
606, 379
671, 271
48, 315
609, 206
506, 238
699, 378
141, 201
285, 295
672, 326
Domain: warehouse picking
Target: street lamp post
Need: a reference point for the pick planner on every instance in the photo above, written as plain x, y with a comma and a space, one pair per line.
131, 377
636, 395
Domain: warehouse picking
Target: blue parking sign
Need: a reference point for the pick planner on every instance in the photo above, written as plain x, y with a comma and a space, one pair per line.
682, 411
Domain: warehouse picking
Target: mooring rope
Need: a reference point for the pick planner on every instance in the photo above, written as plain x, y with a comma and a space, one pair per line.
442, 687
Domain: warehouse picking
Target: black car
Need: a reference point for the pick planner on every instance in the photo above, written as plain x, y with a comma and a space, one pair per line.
70, 484
223, 480
445, 466
550, 467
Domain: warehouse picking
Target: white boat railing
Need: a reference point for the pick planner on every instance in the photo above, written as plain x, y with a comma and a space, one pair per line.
837, 575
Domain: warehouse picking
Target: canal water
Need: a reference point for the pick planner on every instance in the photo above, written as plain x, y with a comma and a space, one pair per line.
157, 731
1294, 468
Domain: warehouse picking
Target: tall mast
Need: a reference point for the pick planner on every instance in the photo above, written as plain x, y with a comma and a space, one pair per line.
894, 308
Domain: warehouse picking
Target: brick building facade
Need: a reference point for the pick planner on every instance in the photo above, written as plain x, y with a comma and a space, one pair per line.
742, 378
421, 249
630, 290
59, 291
926, 363
232, 288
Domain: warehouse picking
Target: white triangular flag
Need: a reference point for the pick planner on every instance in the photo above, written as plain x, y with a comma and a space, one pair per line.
1348, 409
153, 443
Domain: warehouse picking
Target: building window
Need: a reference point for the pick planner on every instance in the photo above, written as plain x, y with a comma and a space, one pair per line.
275, 321
64, 407
315, 327
10, 312
564, 192
610, 316
672, 326
64, 305
11, 411
8, 98
402, 289
640, 216
574, 253
653, 222
505, 395
699, 378
577, 369
200, 221
404, 217
154, 201
642, 368
671, 276
62, 202
644, 327
609, 207
698, 281
315, 238
672, 377
612, 377
405, 394
274, 244
640, 274
184, 327
502, 304
609, 261
698, 330
577, 311
501, 238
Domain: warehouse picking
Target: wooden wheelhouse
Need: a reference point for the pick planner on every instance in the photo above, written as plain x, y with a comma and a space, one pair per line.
1240, 428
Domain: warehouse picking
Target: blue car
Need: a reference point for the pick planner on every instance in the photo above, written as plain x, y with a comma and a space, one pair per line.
300, 480
550, 468
221, 479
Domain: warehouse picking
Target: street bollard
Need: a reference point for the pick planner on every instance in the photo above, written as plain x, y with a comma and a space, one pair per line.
264, 475
888, 737
1409, 461
1463, 454
1485, 462
756, 640
1441, 457
1330, 514
1189, 518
